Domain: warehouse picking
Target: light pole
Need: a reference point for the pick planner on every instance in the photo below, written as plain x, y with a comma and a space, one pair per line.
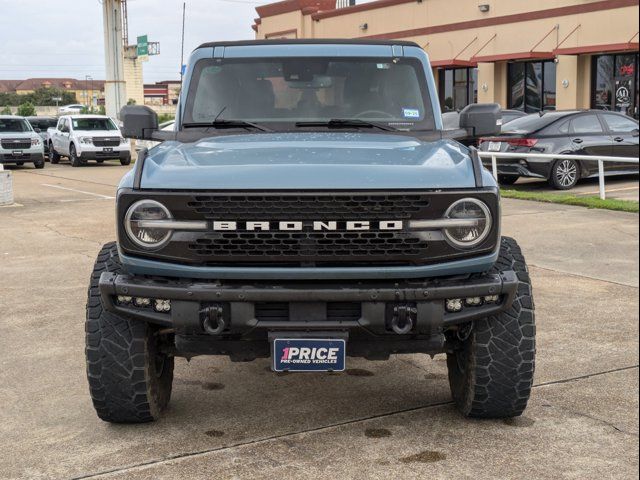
89, 78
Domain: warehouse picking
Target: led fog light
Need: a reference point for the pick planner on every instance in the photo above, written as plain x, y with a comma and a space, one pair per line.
491, 298
142, 302
124, 299
473, 301
454, 304
161, 305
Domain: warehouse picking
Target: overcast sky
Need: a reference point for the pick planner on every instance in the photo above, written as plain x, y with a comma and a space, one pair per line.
64, 38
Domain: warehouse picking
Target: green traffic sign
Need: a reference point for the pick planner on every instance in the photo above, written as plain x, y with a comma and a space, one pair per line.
142, 46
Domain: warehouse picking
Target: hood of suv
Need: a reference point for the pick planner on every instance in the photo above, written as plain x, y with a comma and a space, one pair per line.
282, 161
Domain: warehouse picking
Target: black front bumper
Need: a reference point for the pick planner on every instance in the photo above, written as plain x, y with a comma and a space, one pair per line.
251, 313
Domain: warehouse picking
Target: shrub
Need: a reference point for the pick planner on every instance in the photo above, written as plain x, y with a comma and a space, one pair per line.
26, 109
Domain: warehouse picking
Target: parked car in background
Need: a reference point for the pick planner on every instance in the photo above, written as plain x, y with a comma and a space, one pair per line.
88, 137
19, 143
451, 120
41, 125
70, 109
510, 115
589, 132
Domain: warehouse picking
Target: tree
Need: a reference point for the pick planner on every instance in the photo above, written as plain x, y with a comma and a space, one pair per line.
131, 101
5, 111
26, 109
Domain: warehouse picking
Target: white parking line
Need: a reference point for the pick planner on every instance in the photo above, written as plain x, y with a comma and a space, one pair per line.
78, 191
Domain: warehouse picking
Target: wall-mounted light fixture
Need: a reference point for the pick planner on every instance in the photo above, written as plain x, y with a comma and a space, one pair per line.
485, 87
363, 26
484, 8
565, 83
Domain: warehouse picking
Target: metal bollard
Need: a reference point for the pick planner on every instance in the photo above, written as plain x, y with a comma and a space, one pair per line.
6, 187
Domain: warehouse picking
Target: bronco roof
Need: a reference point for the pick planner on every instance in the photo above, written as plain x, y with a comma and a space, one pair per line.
309, 41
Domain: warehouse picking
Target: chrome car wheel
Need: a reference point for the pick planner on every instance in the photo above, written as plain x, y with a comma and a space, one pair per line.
567, 173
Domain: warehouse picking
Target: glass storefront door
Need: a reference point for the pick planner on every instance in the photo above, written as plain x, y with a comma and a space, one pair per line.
615, 83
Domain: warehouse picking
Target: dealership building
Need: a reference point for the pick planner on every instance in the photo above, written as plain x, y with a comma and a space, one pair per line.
526, 55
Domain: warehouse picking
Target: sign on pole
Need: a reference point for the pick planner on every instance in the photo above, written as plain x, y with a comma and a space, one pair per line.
142, 48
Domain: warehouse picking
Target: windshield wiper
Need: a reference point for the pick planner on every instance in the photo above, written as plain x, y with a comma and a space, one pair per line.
226, 124
346, 123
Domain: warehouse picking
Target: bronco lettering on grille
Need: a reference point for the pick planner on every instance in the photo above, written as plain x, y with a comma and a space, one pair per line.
318, 226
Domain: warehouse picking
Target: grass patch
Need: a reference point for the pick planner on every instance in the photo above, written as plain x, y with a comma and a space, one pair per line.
568, 199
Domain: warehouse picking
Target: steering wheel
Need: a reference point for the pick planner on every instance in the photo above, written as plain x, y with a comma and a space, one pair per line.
372, 112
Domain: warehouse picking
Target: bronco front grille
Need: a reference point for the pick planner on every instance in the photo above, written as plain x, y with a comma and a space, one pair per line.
355, 246
16, 143
307, 246
302, 207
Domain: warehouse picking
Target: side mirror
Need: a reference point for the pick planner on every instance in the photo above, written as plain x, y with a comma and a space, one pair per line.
138, 121
37, 130
635, 132
481, 119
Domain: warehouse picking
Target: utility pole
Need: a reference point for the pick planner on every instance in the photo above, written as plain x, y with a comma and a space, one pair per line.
114, 86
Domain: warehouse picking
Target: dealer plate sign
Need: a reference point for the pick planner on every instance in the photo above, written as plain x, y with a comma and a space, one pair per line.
308, 355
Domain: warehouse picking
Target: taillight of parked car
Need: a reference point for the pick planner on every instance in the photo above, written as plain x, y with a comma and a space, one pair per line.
522, 142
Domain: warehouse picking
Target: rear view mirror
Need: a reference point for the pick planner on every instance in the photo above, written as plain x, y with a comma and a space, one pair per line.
482, 119
138, 121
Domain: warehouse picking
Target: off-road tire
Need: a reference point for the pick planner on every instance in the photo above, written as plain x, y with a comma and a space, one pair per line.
491, 372
507, 179
129, 380
73, 156
54, 157
125, 161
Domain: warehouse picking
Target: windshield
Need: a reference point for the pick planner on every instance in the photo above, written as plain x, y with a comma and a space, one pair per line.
89, 124
13, 125
43, 123
281, 92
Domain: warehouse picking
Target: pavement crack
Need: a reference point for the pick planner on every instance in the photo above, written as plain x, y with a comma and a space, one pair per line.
570, 274
72, 237
599, 420
200, 453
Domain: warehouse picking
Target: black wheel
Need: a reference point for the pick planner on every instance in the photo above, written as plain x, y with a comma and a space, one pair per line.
39, 163
129, 377
54, 157
507, 179
491, 369
125, 161
73, 156
565, 174
19, 164
100, 160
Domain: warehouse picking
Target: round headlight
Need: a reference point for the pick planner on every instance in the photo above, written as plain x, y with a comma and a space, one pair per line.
468, 209
145, 236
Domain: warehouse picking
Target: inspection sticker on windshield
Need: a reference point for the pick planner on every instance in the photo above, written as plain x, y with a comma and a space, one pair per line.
410, 113
308, 355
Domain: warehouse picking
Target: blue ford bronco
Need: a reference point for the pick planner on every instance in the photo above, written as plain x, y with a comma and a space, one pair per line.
309, 207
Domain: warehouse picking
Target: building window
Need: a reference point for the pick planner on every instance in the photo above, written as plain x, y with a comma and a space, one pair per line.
615, 83
458, 88
532, 86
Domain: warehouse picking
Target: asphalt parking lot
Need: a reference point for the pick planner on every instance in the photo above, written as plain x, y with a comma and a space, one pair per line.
378, 420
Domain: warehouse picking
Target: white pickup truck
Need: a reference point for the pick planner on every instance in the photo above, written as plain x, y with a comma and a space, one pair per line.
87, 137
